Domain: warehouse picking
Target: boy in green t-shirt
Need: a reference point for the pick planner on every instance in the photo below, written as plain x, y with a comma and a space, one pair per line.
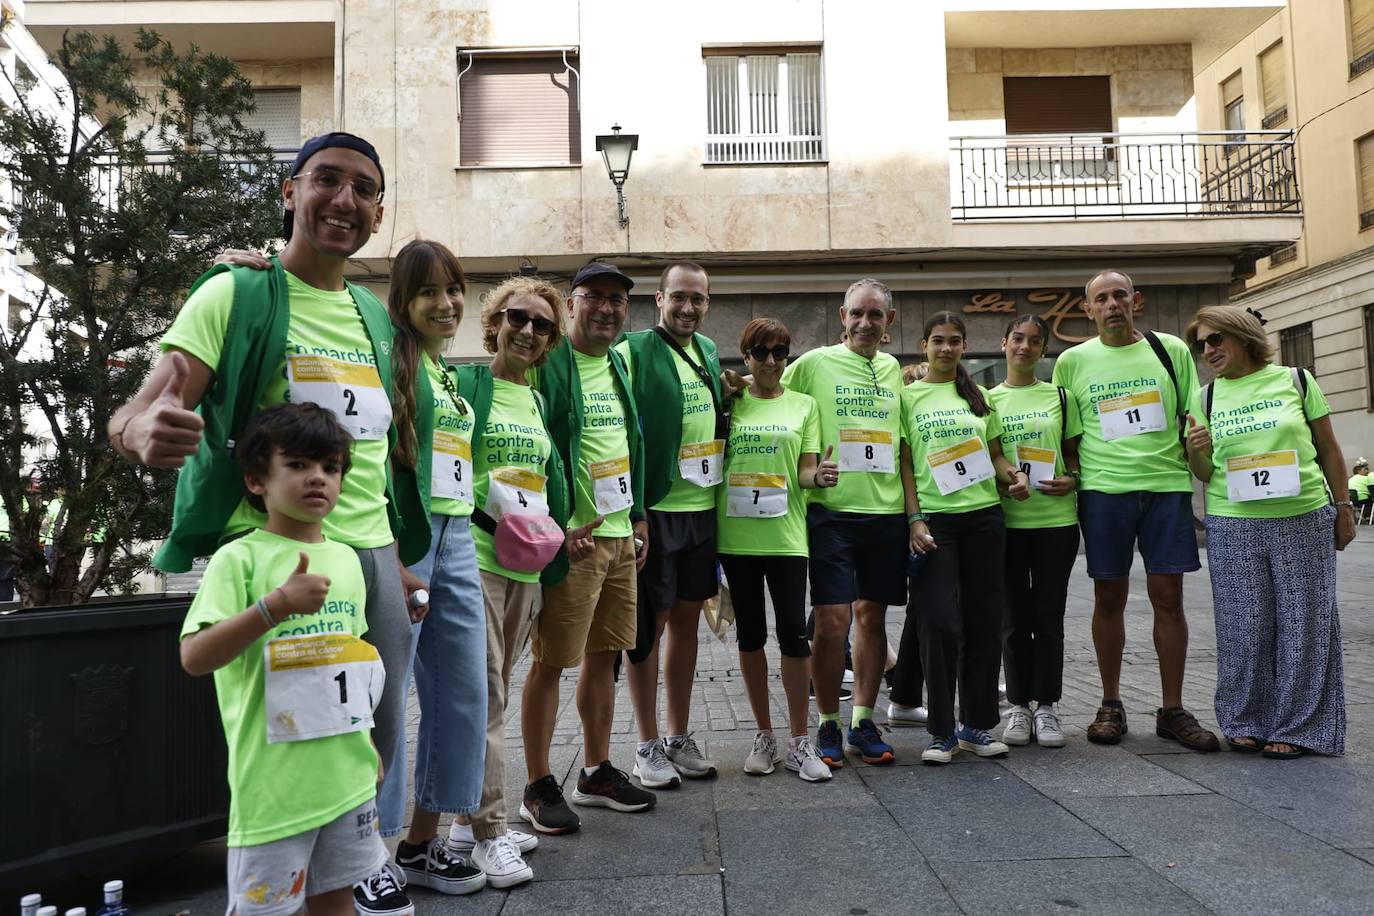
278, 619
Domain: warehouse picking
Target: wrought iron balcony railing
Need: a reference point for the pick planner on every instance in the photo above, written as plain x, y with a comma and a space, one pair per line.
1076, 176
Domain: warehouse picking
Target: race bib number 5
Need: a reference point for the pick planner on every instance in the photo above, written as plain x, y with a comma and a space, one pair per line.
1265, 476
518, 491
867, 450
351, 391
960, 465
320, 685
451, 477
1131, 414
700, 462
611, 484
756, 496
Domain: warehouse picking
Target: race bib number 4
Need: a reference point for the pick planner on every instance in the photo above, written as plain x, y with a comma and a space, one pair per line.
1131, 414
518, 491
756, 496
867, 450
1036, 463
320, 685
1265, 476
960, 465
351, 391
700, 462
452, 470
611, 485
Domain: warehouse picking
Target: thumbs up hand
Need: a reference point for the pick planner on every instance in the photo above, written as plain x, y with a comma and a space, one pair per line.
1199, 439
304, 592
165, 433
827, 472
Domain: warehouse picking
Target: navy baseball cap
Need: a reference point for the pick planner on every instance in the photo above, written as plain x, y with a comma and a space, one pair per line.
598, 269
326, 141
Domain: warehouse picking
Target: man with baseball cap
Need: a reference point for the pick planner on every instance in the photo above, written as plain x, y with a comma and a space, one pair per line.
248, 339
589, 607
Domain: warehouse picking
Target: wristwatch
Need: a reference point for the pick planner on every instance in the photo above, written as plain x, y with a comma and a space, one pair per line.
913, 517
1343, 502
1076, 475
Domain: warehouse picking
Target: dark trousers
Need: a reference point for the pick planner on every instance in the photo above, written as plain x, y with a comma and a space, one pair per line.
1038, 563
957, 628
908, 677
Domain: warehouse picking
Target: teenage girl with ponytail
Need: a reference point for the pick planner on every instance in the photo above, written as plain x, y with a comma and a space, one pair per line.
951, 463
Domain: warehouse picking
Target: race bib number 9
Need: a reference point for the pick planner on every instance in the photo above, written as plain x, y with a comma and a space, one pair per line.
960, 465
1131, 414
451, 477
1036, 463
518, 491
867, 450
700, 462
1265, 476
611, 485
320, 685
756, 496
351, 391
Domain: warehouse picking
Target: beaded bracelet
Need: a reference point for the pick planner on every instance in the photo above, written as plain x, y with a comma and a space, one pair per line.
264, 613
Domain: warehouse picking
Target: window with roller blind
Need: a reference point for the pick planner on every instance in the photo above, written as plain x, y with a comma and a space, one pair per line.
1271, 86
763, 105
1037, 105
1360, 19
519, 109
1364, 162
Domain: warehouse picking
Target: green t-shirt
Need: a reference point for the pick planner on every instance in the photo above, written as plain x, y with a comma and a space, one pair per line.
1252, 418
949, 448
768, 436
605, 447
1359, 483
284, 789
1127, 388
859, 403
516, 446
452, 444
336, 369
1031, 422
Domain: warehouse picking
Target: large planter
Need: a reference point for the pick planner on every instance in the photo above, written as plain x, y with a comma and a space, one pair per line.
110, 754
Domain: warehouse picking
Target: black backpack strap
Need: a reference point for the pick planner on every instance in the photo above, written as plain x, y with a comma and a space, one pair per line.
1063, 413
1162, 354
722, 415
1208, 391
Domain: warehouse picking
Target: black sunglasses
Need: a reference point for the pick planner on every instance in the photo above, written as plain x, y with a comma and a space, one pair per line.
760, 352
518, 318
1212, 340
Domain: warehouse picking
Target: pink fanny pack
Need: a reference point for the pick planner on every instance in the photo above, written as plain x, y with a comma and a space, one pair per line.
524, 543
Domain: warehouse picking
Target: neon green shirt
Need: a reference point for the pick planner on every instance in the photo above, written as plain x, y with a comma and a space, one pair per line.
859, 404
1129, 383
949, 448
1359, 483
515, 440
281, 790
452, 440
1260, 415
604, 439
323, 324
768, 436
1031, 421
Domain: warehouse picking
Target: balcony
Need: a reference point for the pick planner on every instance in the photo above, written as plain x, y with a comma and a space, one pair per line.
1130, 176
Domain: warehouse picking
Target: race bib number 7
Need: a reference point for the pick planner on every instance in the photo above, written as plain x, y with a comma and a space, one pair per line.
756, 496
320, 685
351, 391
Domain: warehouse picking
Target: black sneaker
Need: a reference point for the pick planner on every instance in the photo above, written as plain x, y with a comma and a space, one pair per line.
383, 893
608, 787
432, 865
544, 807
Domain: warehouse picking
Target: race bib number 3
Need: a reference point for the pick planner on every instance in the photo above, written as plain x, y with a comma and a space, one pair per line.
867, 450
1265, 476
1036, 463
518, 491
1131, 414
756, 496
700, 462
320, 685
611, 485
960, 465
351, 391
452, 470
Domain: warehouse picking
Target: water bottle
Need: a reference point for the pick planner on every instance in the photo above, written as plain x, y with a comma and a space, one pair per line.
29, 904
114, 900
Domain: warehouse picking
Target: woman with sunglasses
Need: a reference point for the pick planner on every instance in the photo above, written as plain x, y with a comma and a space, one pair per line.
951, 463
1260, 436
771, 456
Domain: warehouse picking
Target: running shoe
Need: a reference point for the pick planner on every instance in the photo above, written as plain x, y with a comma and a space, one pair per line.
803, 760
979, 742
830, 744
432, 865
868, 743
764, 756
543, 807
608, 787
1018, 728
688, 759
383, 893
653, 768
1047, 730
940, 750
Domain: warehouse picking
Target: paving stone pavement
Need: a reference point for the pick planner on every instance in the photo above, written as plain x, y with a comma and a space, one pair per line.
1142, 827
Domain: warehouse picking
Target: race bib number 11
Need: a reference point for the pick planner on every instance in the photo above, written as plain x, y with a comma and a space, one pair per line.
320, 685
1131, 414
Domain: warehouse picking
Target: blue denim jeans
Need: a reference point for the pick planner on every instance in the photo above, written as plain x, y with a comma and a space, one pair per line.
449, 663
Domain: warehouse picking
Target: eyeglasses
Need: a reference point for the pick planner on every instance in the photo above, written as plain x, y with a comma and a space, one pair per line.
596, 300
1212, 340
681, 299
760, 353
330, 182
518, 318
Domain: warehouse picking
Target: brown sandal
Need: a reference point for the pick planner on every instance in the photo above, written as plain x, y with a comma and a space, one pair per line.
1178, 724
1246, 744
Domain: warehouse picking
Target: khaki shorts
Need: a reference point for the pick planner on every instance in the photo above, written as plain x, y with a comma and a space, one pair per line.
592, 610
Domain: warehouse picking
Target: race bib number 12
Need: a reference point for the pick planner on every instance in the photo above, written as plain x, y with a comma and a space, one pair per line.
351, 391
1265, 476
320, 685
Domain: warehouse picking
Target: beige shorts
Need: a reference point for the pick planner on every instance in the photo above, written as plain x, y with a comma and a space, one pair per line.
592, 610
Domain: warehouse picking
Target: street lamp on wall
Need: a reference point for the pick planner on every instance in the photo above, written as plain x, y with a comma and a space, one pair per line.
616, 149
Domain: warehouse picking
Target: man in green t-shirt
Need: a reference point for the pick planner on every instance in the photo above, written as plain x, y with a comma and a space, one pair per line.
589, 616
1359, 485
1132, 389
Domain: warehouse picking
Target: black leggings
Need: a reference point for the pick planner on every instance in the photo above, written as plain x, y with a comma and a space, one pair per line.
786, 578
1038, 563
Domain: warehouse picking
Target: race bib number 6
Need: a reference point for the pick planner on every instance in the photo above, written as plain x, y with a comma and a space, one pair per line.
351, 391
320, 685
700, 462
1131, 414
866, 450
960, 465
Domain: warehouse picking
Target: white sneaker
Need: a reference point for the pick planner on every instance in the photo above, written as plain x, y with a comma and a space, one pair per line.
653, 768
803, 760
1018, 730
501, 861
688, 759
898, 716
764, 756
461, 840
848, 677
1047, 730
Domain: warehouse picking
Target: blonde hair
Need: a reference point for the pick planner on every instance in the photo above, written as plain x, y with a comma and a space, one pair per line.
495, 303
1240, 324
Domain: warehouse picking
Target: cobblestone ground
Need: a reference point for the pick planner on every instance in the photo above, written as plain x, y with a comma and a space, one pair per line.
1142, 827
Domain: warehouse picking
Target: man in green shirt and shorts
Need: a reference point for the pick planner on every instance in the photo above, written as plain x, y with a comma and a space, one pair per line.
1132, 388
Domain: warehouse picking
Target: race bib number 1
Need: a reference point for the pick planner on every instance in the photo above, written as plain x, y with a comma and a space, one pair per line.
518, 491
1036, 463
866, 450
960, 465
1131, 414
700, 462
611, 485
756, 496
320, 685
1265, 476
451, 477
351, 391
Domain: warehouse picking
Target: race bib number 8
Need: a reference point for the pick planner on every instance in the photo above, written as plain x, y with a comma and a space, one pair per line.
320, 685
756, 496
518, 491
700, 462
960, 466
1131, 414
866, 450
611, 485
1265, 476
1036, 463
351, 391
451, 477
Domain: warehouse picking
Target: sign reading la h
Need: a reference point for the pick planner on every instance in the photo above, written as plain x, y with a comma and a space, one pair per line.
1062, 305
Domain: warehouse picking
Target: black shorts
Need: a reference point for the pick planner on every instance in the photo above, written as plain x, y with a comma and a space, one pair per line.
786, 578
681, 566
856, 556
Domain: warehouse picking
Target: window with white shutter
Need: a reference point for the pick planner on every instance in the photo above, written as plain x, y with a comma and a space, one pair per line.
519, 109
278, 115
1271, 86
764, 107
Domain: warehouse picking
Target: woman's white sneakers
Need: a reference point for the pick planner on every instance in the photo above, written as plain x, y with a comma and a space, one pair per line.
764, 756
805, 761
898, 716
1018, 728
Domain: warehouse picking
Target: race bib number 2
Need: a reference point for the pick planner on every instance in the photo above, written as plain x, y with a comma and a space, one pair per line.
320, 685
866, 450
351, 391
